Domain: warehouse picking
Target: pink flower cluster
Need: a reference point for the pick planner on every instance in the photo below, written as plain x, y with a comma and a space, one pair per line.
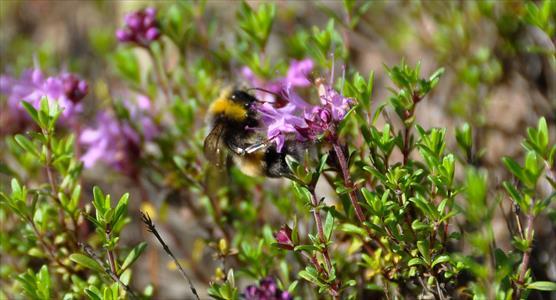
140, 28
266, 290
116, 142
66, 89
297, 117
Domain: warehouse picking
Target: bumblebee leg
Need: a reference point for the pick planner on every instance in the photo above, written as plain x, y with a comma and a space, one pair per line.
237, 150
249, 150
256, 147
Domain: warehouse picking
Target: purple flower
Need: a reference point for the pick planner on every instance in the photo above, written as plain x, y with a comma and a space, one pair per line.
112, 142
66, 89
323, 119
74, 88
297, 74
305, 121
115, 142
141, 28
337, 104
285, 113
280, 122
267, 290
140, 112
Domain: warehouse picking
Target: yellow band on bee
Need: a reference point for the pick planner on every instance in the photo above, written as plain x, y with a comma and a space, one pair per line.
225, 106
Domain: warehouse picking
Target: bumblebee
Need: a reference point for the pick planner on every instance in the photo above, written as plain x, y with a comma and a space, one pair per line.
235, 120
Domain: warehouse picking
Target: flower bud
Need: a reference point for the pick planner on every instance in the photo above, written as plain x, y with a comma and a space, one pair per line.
123, 35
149, 21
140, 28
284, 238
74, 89
152, 34
134, 21
150, 11
325, 116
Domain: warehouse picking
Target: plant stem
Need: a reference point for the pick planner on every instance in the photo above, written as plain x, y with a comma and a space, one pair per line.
351, 193
406, 147
52, 182
348, 183
406, 151
333, 287
529, 237
526, 255
161, 77
110, 252
49, 248
314, 261
320, 231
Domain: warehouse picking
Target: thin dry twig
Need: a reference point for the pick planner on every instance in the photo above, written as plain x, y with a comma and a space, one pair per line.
150, 227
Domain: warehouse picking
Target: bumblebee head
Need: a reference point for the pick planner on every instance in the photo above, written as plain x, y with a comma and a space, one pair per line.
242, 98
233, 105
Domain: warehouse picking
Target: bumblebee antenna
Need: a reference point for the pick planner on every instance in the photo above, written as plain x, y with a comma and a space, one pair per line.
266, 91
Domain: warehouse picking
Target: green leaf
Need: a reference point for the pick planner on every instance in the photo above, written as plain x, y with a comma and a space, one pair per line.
121, 208
32, 112
43, 282
542, 286
310, 274
415, 261
542, 137
418, 225
440, 259
86, 262
322, 163
16, 188
292, 286
328, 225
353, 229
513, 167
133, 256
93, 293
306, 248
514, 193
423, 247
26, 145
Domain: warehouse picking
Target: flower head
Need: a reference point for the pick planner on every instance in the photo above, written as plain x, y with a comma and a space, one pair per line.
114, 143
280, 122
66, 89
284, 113
74, 88
141, 28
117, 143
267, 290
324, 118
303, 120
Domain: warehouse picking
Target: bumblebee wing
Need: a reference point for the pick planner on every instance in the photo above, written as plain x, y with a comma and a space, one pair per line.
212, 145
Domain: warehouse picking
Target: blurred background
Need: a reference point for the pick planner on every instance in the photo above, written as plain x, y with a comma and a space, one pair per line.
500, 77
